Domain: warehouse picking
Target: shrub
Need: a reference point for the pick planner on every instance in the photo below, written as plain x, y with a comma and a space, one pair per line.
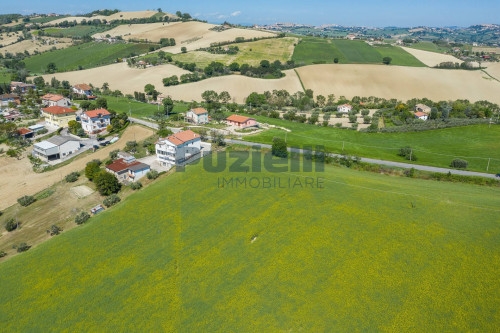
26, 200
153, 174
352, 118
92, 169
54, 230
407, 152
82, 218
23, 247
279, 148
111, 200
136, 185
3, 254
459, 164
11, 225
106, 183
72, 177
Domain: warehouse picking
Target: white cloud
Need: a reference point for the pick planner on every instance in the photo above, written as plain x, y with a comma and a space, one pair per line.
236, 13
222, 17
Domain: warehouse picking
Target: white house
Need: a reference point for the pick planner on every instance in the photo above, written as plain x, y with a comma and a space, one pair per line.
95, 121
178, 149
421, 115
55, 148
55, 100
197, 116
344, 108
127, 168
83, 90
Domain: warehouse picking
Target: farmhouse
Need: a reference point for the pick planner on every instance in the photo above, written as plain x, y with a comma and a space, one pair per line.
344, 108
55, 148
21, 87
95, 121
126, 168
83, 89
58, 116
179, 148
5, 99
197, 116
55, 100
422, 108
421, 115
25, 133
240, 121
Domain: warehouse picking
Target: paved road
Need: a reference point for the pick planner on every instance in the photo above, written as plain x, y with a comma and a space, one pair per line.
382, 162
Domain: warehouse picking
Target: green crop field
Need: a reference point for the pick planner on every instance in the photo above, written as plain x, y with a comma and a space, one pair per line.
86, 55
76, 31
475, 143
320, 50
430, 46
366, 252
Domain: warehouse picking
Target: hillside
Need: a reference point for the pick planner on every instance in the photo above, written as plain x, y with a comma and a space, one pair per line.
186, 255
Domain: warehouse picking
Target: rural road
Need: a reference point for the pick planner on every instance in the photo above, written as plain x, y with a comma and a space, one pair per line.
382, 162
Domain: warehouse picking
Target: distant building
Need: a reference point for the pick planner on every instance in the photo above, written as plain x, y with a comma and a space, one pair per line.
422, 108
58, 116
127, 168
55, 148
21, 87
351, 37
197, 116
240, 121
344, 108
421, 115
83, 89
55, 100
178, 149
95, 121
25, 133
5, 99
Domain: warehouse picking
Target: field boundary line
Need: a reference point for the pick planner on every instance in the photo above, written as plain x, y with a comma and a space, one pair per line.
300, 80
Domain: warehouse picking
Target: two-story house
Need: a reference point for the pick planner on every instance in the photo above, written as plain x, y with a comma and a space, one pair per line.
178, 149
5, 99
95, 121
344, 108
83, 89
55, 100
21, 87
58, 116
197, 116
127, 168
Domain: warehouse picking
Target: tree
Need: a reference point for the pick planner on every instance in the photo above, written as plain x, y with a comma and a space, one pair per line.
13, 153
459, 164
101, 103
54, 230
407, 152
168, 105
336, 60
434, 114
26, 200
234, 67
224, 97
183, 49
279, 148
352, 118
51, 68
22, 247
387, 60
149, 88
92, 169
106, 183
85, 105
39, 82
111, 200
210, 96
321, 100
105, 86
82, 218
11, 225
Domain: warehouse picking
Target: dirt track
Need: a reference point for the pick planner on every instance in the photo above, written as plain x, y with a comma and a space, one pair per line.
19, 179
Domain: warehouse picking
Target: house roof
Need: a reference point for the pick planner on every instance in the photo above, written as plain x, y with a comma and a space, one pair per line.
238, 119
120, 165
83, 86
138, 166
9, 96
97, 113
423, 107
199, 111
45, 145
21, 84
346, 105
60, 139
183, 137
23, 131
420, 114
52, 97
58, 110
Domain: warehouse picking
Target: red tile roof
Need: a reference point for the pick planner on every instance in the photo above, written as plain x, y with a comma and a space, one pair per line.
120, 165
52, 97
420, 114
199, 111
182, 137
97, 113
238, 119
23, 131
58, 110
83, 86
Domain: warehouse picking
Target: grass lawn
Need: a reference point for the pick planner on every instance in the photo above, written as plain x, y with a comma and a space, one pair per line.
435, 147
367, 252
5, 77
86, 55
251, 53
399, 56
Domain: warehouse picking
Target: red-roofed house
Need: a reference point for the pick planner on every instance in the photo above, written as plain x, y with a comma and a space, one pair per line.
95, 121
179, 148
240, 121
25, 133
344, 108
58, 116
5, 99
55, 100
127, 168
83, 90
197, 116
421, 115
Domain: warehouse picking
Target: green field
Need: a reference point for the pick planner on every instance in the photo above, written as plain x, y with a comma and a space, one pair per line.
320, 50
139, 109
367, 252
76, 31
475, 143
86, 55
430, 46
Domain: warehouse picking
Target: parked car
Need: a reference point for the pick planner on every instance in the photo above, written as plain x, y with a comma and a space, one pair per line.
498, 175
104, 143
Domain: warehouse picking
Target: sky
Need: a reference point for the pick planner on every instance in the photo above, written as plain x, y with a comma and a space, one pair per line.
402, 13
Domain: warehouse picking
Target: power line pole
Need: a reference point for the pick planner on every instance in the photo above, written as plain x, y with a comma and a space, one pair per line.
411, 153
488, 166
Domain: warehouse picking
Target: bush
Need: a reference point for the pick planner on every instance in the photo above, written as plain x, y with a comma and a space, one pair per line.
72, 177
136, 185
111, 200
92, 169
11, 225
153, 174
23, 247
3, 254
54, 230
279, 148
459, 164
26, 200
82, 218
407, 152
106, 183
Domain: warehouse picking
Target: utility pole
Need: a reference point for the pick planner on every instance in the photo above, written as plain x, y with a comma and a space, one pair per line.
285, 136
488, 166
411, 153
